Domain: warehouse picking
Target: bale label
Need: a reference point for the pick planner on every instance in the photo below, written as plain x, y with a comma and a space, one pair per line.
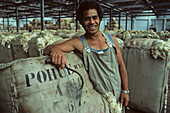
42, 76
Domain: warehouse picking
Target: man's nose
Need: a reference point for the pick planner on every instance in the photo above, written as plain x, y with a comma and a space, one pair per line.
92, 20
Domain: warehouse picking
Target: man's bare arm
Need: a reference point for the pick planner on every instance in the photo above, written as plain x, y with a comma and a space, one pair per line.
123, 73
57, 51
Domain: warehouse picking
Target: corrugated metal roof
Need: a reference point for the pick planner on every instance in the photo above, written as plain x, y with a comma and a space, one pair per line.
31, 8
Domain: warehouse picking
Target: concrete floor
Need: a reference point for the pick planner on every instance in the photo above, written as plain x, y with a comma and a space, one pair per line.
132, 111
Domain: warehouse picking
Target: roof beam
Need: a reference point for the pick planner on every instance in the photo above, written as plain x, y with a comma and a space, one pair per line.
152, 8
116, 1
142, 5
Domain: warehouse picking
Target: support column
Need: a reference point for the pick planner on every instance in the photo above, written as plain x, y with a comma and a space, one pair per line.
163, 24
110, 19
131, 22
26, 23
165, 21
77, 5
59, 20
126, 22
42, 14
3, 23
17, 20
119, 19
73, 16
8, 21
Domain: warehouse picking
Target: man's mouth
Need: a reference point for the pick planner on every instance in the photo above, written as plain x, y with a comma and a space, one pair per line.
91, 28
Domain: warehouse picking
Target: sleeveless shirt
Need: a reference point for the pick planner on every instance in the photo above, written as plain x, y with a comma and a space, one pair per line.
102, 67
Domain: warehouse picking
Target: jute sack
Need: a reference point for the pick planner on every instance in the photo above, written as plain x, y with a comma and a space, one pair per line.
12, 50
17, 49
6, 53
31, 86
32, 50
37, 44
147, 75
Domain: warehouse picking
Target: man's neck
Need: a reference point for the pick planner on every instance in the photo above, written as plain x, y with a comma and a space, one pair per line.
93, 36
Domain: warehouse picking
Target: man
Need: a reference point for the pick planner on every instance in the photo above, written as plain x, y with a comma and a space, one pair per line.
101, 54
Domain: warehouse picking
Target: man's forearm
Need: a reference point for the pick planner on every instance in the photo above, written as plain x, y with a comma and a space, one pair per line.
124, 77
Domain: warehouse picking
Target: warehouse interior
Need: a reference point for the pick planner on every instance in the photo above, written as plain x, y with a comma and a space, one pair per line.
131, 13
52, 20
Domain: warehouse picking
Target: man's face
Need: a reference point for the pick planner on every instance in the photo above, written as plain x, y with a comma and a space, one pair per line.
91, 21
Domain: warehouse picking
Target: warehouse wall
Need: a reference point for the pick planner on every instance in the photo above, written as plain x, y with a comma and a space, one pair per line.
139, 23
144, 23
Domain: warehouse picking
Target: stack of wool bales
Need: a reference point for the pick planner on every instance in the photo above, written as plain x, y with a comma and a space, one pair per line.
68, 24
113, 32
164, 35
114, 24
147, 63
64, 23
35, 22
5, 49
17, 46
38, 43
65, 33
5, 28
146, 34
1, 27
49, 25
130, 34
125, 35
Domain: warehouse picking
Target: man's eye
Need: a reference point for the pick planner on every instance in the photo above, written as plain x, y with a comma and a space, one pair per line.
86, 18
95, 17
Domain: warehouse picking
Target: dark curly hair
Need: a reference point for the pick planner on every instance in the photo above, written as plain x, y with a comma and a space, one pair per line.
86, 5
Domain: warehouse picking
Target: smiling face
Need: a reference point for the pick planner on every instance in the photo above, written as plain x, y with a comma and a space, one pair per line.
91, 21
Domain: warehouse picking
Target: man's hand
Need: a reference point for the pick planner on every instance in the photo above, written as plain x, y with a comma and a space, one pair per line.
47, 50
125, 98
58, 57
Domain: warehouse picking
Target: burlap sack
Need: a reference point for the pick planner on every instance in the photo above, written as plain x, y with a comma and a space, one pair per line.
6, 53
12, 50
17, 50
147, 76
31, 86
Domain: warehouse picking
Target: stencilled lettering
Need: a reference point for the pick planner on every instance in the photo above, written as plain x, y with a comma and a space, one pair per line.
43, 76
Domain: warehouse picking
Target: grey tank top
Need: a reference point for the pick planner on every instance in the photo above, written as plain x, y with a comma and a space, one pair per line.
102, 67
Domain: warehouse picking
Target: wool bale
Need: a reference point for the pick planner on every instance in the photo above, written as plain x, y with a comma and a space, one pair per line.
41, 88
37, 44
6, 53
17, 50
32, 48
6, 48
147, 75
115, 25
35, 21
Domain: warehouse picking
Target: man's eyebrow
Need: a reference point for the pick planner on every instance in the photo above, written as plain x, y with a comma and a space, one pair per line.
91, 16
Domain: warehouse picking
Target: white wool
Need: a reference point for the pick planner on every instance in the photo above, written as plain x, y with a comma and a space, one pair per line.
160, 49
111, 99
25, 39
45, 40
116, 107
112, 105
6, 39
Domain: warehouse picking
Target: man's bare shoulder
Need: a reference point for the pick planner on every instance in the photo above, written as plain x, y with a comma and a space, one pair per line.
77, 43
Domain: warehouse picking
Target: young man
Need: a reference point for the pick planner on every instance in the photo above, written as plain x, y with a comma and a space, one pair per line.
101, 53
